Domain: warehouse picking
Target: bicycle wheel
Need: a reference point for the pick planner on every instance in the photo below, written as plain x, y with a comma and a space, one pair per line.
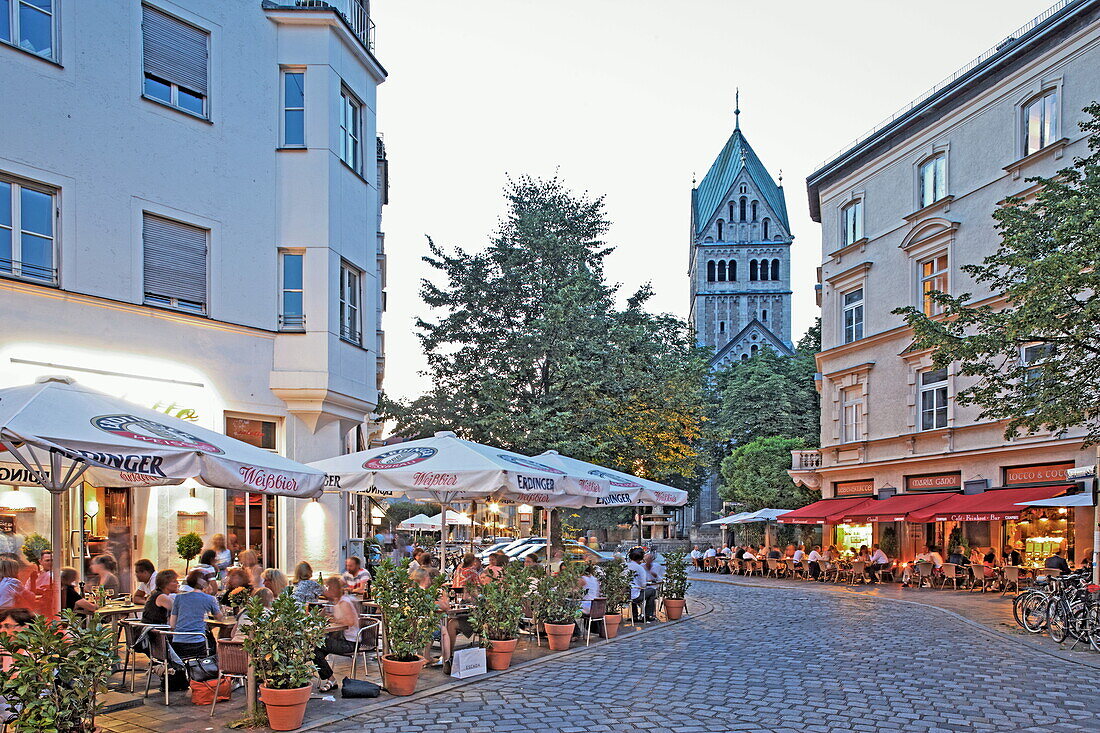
1018, 602
1058, 621
1033, 613
1092, 626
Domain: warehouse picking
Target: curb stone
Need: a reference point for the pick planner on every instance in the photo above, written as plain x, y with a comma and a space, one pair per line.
703, 606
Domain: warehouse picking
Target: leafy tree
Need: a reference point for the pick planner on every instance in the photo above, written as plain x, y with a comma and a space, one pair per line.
755, 475
1048, 270
529, 351
398, 511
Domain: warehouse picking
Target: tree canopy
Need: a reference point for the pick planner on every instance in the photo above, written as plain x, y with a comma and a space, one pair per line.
527, 349
1035, 352
755, 475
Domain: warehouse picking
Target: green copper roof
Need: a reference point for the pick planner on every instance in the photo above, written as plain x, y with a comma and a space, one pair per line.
711, 193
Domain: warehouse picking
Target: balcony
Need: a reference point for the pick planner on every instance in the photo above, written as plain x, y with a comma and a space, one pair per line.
804, 467
354, 13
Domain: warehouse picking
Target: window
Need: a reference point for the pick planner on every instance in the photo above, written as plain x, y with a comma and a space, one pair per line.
733, 211
933, 399
764, 315
1040, 121
349, 303
176, 57
775, 269
766, 227
260, 433
351, 118
755, 204
721, 271
30, 25
721, 326
27, 240
754, 270
853, 222
1033, 358
294, 109
743, 205
754, 349
720, 225
712, 272
933, 180
763, 271
175, 264
853, 315
731, 270
292, 317
851, 414
933, 277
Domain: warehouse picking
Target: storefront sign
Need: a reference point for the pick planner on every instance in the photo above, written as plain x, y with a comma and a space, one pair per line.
987, 517
853, 488
1035, 474
937, 482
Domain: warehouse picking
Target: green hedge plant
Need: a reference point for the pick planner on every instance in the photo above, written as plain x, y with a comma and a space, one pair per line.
676, 582
557, 598
281, 641
410, 614
499, 608
614, 584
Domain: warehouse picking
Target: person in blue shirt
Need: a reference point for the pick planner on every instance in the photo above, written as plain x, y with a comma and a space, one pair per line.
189, 613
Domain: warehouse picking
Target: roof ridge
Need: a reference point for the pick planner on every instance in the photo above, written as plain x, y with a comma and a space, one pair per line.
736, 155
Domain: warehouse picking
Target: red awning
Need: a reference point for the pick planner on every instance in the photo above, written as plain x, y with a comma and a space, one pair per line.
894, 509
815, 513
986, 506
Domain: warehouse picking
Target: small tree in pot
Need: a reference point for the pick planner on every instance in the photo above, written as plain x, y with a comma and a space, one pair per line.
498, 614
615, 587
57, 670
281, 641
410, 616
188, 546
675, 584
558, 604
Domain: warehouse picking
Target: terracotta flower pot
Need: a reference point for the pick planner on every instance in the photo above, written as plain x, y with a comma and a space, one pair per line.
611, 623
674, 608
558, 636
499, 653
401, 676
285, 708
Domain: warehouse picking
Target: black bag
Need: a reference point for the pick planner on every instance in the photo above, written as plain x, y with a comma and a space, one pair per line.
202, 670
177, 680
359, 688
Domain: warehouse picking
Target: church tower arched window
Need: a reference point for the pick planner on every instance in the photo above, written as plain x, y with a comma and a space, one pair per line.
764, 315
721, 326
721, 224
775, 269
754, 272
763, 269
754, 349
731, 271
711, 271
755, 204
767, 227
733, 211
721, 271
744, 207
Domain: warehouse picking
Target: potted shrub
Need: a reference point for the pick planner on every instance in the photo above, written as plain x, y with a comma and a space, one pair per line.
558, 605
281, 642
410, 616
615, 587
676, 584
57, 670
498, 613
188, 546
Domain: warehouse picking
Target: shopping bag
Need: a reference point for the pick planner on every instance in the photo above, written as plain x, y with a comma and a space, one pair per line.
468, 663
202, 693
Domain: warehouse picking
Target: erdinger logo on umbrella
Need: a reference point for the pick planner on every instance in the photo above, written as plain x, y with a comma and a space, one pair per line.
399, 458
148, 431
528, 463
616, 480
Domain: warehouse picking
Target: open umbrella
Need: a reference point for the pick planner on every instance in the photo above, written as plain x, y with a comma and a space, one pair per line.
60, 433
731, 519
420, 522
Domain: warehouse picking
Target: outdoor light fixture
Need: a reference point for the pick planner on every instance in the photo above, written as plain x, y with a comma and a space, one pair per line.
17, 501
191, 506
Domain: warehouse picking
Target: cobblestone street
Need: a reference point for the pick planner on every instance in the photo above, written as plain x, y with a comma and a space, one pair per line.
775, 659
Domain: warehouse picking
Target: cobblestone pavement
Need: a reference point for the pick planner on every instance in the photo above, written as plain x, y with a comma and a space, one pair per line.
774, 659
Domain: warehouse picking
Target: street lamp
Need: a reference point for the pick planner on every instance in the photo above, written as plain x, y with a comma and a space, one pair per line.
494, 511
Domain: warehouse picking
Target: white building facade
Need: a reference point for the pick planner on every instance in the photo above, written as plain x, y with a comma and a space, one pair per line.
190, 196
901, 212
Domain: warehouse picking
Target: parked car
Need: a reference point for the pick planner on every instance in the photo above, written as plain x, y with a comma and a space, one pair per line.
521, 548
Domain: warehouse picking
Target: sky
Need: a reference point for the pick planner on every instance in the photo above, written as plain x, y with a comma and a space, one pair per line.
630, 99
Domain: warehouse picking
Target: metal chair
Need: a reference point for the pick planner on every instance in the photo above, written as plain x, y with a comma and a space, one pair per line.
773, 567
924, 572
160, 654
978, 577
826, 569
1011, 574
950, 571
887, 570
232, 663
858, 571
596, 612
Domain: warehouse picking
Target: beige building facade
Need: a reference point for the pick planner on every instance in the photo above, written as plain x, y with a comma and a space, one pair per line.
901, 212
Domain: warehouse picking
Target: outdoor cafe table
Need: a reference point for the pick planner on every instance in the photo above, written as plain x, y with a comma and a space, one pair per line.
222, 629
115, 611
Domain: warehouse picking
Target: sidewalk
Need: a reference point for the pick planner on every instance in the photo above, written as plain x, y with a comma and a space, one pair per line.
989, 611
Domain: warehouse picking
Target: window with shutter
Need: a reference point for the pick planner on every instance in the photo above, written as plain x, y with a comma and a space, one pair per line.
175, 264
176, 59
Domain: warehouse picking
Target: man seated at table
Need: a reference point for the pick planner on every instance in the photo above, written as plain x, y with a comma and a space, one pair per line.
1011, 556
911, 570
813, 558
143, 574
355, 575
696, 557
642, 595
774, 553
958, 558
799, 555
1057, 562
879, 562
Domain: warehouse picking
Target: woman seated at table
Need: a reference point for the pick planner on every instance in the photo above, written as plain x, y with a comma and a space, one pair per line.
206, 565
250, 563
449, 627
274, 580
70, 596
105, 566
345, 612
189, 612
495, 571
468, 574
956, 557
12, 620
240, 631
590, 584
158, 606
235, 580
306, 589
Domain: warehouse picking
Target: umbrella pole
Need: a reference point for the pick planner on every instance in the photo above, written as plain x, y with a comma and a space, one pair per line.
443, 543
56, 542
469, 529
639, 524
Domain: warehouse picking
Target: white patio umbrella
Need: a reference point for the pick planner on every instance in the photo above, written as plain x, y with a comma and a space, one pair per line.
1084, 499
454, 519
420, 522
61, 433
760, 515
731, 519
446, 469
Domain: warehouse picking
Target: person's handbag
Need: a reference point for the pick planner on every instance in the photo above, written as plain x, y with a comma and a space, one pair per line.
468, 663
202, 693
201, 670
352, 688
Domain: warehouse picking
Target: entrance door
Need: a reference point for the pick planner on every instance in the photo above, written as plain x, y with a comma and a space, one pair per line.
252, 527
118, 526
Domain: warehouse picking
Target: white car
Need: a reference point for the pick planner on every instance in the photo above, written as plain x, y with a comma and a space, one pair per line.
521, 548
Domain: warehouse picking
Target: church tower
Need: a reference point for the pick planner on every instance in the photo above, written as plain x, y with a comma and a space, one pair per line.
740, 266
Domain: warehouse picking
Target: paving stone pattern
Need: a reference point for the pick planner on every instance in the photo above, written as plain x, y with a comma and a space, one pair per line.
771, 659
